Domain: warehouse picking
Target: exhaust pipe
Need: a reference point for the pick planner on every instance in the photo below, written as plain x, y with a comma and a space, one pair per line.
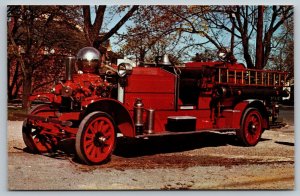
70, 65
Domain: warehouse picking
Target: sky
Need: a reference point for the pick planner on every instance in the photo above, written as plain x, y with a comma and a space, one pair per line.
109, 22
111, 19
115, 20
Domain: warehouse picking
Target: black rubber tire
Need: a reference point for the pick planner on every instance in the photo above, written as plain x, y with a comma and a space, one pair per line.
79, 143
243, 134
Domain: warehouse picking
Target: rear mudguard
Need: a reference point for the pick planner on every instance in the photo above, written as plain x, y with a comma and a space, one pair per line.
243, 105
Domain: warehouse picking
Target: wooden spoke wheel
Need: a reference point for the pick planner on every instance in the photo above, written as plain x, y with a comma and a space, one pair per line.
96, 138
33, 137
251, 127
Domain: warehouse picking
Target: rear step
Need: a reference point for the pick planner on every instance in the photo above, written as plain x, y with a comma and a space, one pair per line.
181, 123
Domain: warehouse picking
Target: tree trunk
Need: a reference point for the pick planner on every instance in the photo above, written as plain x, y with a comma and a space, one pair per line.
26, 91
92, 31
247, 56
119, 24
259, 38
243, 29
17, 90
13, 85
232, 38
142, 55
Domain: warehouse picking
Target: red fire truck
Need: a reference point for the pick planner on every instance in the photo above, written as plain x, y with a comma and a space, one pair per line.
92, 106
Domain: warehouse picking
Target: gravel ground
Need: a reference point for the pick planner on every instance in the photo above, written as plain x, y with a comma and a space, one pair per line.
206, 161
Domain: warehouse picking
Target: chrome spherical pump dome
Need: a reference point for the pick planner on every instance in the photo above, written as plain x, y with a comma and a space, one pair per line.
88, 60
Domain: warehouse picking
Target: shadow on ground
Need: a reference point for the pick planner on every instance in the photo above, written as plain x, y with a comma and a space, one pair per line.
158, 152
168, 144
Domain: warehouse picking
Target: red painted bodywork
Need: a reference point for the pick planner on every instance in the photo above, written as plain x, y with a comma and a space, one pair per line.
155, 86
194, 93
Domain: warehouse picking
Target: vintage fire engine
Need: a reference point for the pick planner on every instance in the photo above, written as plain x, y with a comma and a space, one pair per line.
92, 106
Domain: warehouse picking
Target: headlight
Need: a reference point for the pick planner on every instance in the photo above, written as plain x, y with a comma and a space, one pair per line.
222, 54
124, 69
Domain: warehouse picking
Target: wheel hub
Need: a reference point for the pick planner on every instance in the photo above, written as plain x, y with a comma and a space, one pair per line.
99, 140
252, 128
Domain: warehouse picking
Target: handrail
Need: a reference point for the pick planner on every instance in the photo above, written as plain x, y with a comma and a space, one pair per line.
251, 77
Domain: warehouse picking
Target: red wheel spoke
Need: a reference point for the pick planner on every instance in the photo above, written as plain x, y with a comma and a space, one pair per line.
92, 129
88, 137
255, 120
247, 134
105, 128
89, 149
90, 133
256, 136
36, 140
107, 133
103, 148
255, 124
97, 152
89, 142
93, 152
88, 146
100, 126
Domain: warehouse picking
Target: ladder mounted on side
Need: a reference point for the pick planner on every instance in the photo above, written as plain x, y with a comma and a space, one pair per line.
251, 77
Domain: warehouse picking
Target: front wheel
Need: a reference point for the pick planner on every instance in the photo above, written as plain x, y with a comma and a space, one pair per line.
96, 138
251, 127
34, 138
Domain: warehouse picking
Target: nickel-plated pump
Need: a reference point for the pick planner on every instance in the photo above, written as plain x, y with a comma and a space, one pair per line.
138, 115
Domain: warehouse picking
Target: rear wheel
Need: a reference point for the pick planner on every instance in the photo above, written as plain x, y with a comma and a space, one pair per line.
33, 136
251, 127
96, 138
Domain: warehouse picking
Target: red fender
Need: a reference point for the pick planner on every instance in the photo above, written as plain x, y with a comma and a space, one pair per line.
243, 105
116, 110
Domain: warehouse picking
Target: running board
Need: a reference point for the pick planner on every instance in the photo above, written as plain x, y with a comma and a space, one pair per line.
184, 133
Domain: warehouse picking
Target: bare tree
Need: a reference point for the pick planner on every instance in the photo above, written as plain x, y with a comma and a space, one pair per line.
247, 30
282, 57
92, 30
263, 21
159, 30
36, 30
